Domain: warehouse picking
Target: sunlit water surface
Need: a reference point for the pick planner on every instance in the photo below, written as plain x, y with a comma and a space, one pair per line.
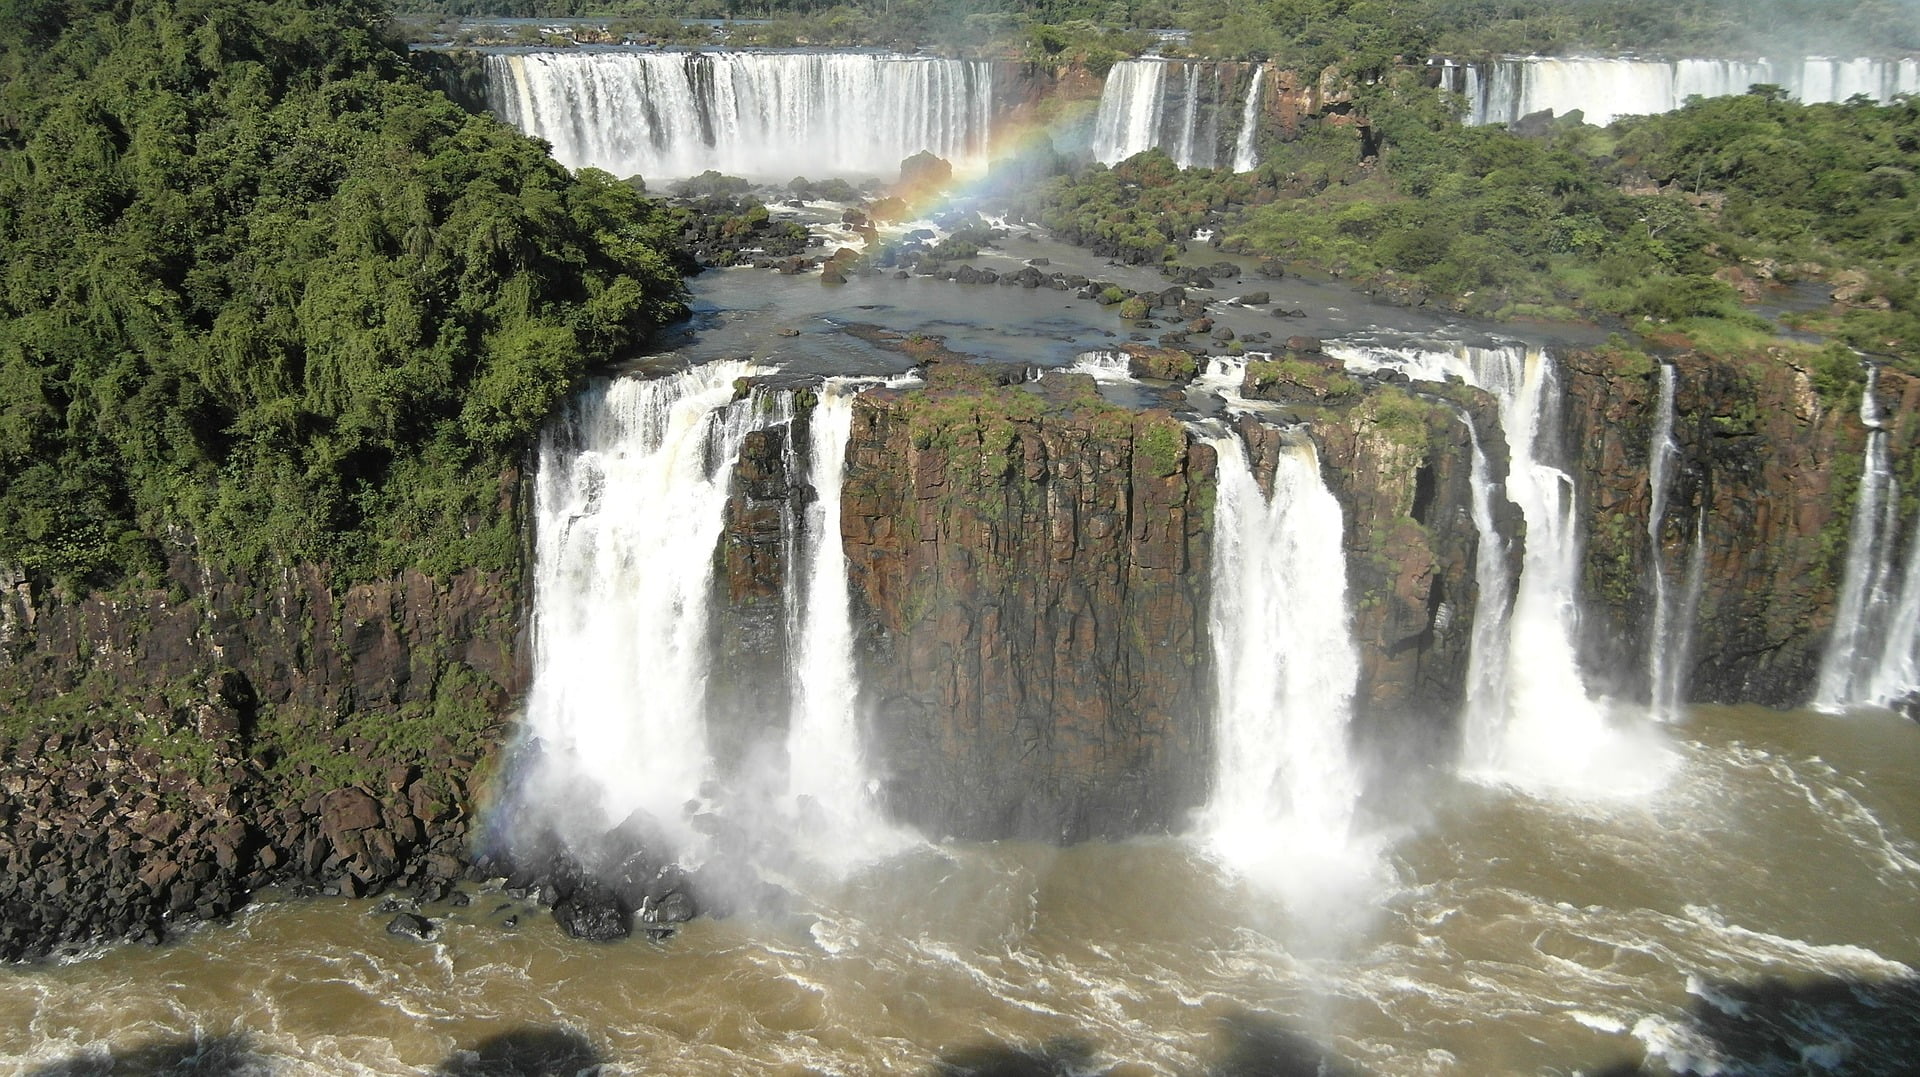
1760, 914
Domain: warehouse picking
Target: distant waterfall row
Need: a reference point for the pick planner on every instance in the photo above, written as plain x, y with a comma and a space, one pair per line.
664, 114
1203, 115
1503, 91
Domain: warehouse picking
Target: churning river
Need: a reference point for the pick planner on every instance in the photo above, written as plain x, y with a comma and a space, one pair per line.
1756, 914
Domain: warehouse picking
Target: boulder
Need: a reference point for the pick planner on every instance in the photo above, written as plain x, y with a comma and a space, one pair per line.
411, 925
592, 913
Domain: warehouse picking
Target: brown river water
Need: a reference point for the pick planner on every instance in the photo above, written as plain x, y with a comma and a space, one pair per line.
1759, 913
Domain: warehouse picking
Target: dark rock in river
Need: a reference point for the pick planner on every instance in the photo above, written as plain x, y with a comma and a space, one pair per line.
410, 925
592, 913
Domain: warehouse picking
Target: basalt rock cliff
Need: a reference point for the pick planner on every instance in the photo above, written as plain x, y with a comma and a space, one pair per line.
229, 732
1030, 574
1767, 471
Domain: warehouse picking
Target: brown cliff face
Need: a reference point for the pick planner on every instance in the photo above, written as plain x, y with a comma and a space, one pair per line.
1029, 570
166, 752
1770, 466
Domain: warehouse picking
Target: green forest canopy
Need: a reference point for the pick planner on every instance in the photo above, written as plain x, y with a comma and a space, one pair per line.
262, 292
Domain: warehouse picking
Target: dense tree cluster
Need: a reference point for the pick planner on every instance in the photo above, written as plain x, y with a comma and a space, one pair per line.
262, 292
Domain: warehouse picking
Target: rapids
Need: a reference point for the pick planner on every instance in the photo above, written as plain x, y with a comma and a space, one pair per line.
1755, 912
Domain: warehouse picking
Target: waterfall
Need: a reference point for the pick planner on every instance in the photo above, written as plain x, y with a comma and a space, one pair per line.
663, 114
1505, 90
1128, 121
1550, 732
1142, 108
1246, 157
1487, 651
1867, 632
628, 506
1189, 113
1897, 673
1286, 785
827, 774
1663, 679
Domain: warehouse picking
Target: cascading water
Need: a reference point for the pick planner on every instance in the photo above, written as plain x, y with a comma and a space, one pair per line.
827, 775
1485, 719
1245, 156
1869, 654
1190, 111
1128, 121
1552, 735
1108, 366
1174, 106
1896, 675
772, 115
1286, 785
629, 500
1663, 677
1503, 91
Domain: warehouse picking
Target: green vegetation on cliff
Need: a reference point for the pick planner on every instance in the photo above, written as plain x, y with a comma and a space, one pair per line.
1662, 221
261, 289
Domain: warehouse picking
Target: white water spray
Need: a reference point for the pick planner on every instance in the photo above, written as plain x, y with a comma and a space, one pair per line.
628, 504
1286, 785
1897, 674
1663, 679
1158, 103
1869, 657
1553, 735
827, 772
1485, 720
1245, 157
1128, 121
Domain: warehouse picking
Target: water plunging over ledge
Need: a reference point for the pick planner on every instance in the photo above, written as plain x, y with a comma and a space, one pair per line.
1287, 786
1604, 89
1549, 733
663, 114
627, 509
1871, 651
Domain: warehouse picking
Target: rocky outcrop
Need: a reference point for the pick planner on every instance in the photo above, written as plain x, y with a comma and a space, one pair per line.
166, 752
1029, 568
1770, 464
